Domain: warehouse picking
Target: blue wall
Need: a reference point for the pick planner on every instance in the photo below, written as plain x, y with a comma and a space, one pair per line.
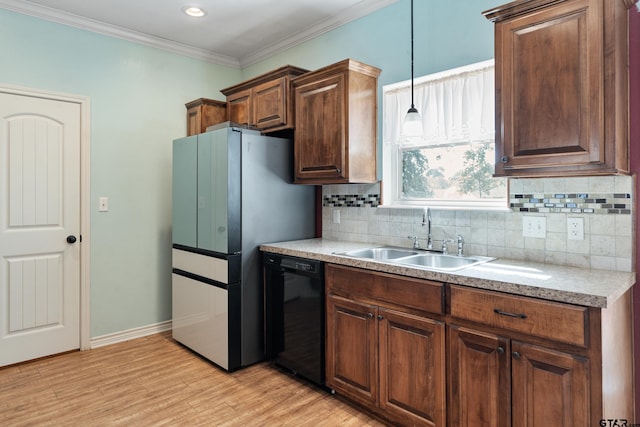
137, 108
137, 96
447, 34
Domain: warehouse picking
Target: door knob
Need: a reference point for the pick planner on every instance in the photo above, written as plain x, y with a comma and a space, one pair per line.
71, 239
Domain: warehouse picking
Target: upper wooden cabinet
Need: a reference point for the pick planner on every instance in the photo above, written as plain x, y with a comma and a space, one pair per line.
202, 113
336, 126
561, 87
264, 101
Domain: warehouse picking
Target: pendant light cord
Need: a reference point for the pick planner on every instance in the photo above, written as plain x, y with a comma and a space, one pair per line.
412, 104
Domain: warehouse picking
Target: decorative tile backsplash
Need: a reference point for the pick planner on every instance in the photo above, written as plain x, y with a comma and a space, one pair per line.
351, 200
606, 204
594, 203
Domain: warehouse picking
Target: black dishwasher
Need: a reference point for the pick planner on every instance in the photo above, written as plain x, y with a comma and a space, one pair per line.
294, 315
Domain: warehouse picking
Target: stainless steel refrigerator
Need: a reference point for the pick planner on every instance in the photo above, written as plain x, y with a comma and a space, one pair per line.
232, 191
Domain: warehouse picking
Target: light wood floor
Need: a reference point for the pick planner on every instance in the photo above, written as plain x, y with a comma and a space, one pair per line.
154, 381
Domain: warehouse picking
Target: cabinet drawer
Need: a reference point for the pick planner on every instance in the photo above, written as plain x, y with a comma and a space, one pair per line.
556, 321
420, 294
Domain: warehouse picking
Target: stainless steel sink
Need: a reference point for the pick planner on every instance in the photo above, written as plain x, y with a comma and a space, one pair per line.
380, 253
443, 262
418, 259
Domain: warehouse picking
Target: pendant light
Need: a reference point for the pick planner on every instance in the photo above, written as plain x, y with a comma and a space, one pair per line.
412, 126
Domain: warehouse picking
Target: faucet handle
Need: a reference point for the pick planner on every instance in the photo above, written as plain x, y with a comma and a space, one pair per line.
460, 241
416, 245
445, 250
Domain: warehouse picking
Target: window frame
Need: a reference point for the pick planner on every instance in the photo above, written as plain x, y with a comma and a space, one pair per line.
391, 185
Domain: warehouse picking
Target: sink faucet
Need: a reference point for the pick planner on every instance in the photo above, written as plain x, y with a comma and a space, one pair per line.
426, 220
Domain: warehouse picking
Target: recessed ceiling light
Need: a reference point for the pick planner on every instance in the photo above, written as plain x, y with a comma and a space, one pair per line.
194, 11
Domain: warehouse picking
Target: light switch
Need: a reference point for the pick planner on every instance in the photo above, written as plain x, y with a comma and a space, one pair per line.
534, 226
103, 204
336, 216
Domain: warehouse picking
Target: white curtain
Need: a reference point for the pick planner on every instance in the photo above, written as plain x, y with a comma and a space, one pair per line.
455, 106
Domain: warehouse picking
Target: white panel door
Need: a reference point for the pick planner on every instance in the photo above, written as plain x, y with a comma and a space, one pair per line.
39, 210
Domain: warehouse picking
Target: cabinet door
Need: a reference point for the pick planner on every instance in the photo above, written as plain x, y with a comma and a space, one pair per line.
239, 107
320, 137
194, 120
269, 105
412, 368
351, 350
549, 388
549, 86
479, 379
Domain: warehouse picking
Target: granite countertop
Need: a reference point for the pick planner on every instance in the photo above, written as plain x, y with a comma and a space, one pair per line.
593, 288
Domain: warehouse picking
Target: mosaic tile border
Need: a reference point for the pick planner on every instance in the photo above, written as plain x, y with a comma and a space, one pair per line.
589, 203
351, 200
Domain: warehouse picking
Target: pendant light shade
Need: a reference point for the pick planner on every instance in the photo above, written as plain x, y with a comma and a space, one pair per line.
412, 126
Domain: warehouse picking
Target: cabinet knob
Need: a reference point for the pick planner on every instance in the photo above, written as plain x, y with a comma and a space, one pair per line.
516, 355
504, 159
370, 314
338, 170
380, 317
500, 350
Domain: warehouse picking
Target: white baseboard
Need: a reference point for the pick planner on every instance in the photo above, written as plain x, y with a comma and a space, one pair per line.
130, 334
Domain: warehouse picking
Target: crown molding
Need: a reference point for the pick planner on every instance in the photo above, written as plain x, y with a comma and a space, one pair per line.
80, 22
356, 11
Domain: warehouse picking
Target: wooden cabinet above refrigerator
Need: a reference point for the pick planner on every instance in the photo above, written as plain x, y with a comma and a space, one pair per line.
264, 102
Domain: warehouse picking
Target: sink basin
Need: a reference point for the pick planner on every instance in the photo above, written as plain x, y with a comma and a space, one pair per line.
380, 253
416, 258
443, 262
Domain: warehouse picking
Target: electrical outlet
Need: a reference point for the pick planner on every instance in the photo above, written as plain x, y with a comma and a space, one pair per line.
534, 226
336, 216
575, 228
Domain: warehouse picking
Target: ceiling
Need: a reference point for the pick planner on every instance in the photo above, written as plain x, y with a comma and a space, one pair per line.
233, 32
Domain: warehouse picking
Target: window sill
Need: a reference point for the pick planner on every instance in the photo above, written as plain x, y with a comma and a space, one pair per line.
501, 206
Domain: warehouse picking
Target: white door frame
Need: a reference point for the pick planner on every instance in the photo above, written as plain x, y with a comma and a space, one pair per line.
85, 197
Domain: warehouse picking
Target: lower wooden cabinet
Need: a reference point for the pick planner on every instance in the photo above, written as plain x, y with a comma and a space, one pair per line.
479, 378
495, 382
352, 349
519, 362
549, 388
484, 358
412, 362
390, 361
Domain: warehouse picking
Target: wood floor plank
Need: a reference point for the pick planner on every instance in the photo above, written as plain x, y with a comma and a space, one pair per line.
154, 381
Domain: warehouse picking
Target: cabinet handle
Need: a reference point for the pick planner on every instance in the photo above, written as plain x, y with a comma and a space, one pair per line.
504, 159
500, 350
506, 313
516, 355
380, 317
370, 315
322, 168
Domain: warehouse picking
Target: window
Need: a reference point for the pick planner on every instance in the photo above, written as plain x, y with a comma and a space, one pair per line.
452, 164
